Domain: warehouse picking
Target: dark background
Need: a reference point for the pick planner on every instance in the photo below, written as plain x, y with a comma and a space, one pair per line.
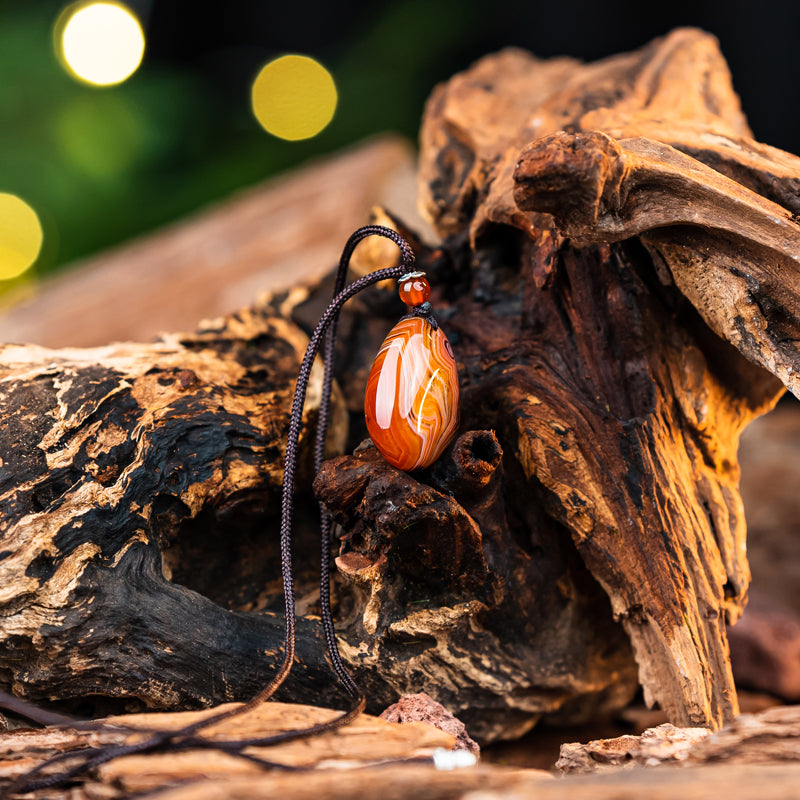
102, 165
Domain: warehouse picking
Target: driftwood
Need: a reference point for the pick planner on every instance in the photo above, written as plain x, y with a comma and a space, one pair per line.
622, 407
590, 501
770, 737
275, 236
367, 741
760, 754
133, 475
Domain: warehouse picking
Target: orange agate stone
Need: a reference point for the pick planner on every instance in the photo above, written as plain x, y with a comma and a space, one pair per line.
411, 403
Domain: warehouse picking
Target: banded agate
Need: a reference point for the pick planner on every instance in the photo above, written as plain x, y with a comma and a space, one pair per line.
411, 404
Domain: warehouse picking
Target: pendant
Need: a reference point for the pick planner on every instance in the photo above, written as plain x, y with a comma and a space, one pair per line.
411, 403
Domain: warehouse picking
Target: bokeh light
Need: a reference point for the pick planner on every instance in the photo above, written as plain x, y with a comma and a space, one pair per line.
20, 236
101, 43
294, 97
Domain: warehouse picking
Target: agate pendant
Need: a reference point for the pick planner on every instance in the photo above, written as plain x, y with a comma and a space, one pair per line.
411, 404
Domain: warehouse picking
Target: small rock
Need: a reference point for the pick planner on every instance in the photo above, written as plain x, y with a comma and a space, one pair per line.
422, 708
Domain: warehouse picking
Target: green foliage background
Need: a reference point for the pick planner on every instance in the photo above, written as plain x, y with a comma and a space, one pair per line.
103, 165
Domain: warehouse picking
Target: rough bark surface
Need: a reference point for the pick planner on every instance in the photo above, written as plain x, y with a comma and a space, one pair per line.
732, 252
141, 522
133, 476
368, 740
462, 588
598, 276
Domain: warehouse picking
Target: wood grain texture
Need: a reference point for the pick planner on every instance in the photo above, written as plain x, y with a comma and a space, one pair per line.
133, 475
732, 252
755, 757
368, 740
590, 310
460, 585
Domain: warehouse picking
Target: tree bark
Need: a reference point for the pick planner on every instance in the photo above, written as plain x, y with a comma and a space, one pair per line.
627, 260
138, 482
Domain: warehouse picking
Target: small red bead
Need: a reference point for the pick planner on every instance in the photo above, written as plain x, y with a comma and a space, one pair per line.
414, 290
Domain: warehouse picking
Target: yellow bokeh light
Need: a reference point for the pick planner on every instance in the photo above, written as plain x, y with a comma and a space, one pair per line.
101, 43
20, 236
294, 97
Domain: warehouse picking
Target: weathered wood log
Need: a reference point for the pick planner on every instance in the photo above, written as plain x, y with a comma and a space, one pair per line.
275, 236
441, 576
133, 476
367, 740
770, 737
151, 506
746, 286
175, 406
759, 756
622, 408
595, 477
